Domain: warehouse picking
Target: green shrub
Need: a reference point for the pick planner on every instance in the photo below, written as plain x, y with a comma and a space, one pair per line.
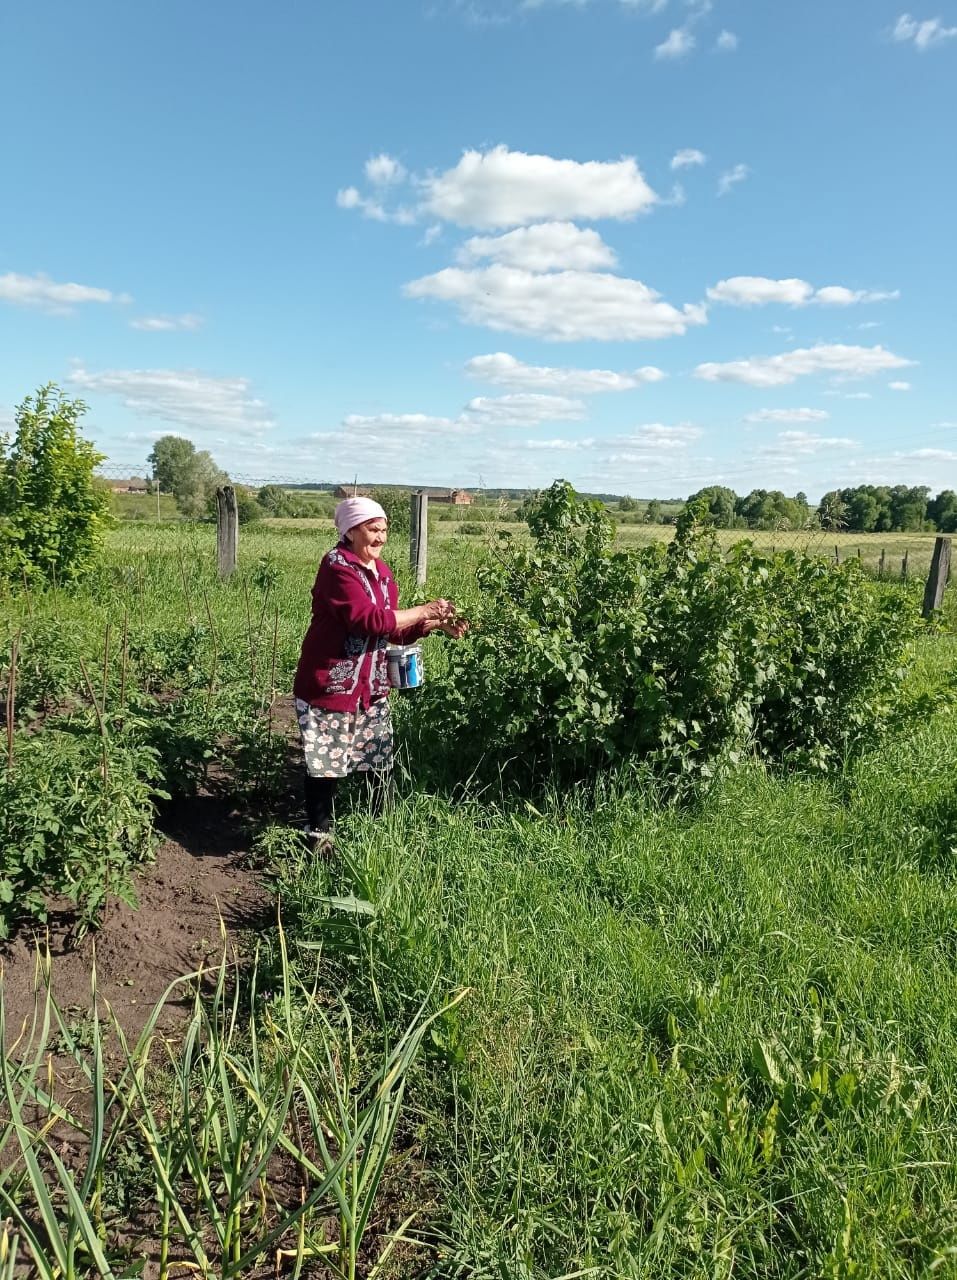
76, 818
683, 656
53, 513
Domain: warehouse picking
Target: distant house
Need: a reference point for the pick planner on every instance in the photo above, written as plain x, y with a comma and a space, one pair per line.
135, 485
453, 497
351, 491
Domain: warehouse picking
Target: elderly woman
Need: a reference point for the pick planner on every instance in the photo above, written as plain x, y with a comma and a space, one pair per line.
342, 681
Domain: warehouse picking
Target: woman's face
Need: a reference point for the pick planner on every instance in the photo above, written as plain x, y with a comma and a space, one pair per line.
368, 539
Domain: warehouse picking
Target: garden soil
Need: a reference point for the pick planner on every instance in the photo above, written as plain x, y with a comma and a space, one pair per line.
200, 877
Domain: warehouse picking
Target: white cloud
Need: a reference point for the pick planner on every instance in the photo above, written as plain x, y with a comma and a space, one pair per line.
788, 415
687, 157
731, 177
758, 291
166, 324
546, 246
658, 435
414, 424
804, 443
776, 371
870, 324
835, 295
929, 455
899, 386
679, 44
924, 34
562, 306
50, 295
184, 397
370, 207
504, 370
559, 445
431, 234
384, 170
502, 188
858, 395
726, 42
522, 409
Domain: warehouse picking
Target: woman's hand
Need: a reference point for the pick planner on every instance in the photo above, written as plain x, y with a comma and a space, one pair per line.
438, 611
454, 627
425, 615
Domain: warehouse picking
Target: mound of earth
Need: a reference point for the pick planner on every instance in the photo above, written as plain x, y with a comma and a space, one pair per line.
199, 882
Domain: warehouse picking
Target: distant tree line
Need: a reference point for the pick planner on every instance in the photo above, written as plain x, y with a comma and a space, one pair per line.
865, 508
759, 509
872, 508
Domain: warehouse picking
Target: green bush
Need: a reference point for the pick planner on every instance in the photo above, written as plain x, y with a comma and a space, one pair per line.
76, 818
53, 513
683, 656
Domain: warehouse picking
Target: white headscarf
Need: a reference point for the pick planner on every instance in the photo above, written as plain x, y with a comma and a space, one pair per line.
353, 511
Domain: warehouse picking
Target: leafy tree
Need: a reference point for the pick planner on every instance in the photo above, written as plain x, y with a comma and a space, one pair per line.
53, 514
863, 509
770, 509
653, 512
832, 510
720, 502
396, 503
909, 507
247, 508
189, 474
273, 499
627, 504
943, 511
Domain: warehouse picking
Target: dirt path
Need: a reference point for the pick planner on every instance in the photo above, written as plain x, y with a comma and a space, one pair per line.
200, 874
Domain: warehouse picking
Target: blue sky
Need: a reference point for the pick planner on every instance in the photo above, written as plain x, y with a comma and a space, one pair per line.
643, 244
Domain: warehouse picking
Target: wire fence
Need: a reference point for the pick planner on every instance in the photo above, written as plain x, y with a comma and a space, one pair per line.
888, 556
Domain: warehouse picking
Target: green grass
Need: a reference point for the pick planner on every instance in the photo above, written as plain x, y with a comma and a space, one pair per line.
711, 1041
717, 1042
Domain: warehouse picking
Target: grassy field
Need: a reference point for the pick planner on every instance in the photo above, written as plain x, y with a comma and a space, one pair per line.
918, 547
714, 1041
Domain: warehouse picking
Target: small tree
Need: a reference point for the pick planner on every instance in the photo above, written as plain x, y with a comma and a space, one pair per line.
190, 475
53, 514
248, 509
653, 512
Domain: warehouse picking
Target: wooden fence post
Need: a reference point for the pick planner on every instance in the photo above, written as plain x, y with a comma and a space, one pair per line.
937, 578
880, 567
904, 566
837, 554
419, 536
227, 529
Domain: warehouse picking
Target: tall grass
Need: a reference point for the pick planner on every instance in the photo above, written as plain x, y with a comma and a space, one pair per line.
711, 1041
